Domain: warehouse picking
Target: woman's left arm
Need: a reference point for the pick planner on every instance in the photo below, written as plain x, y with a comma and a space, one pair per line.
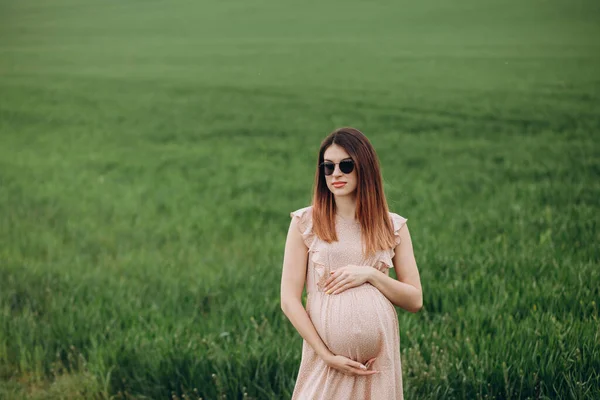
405, 292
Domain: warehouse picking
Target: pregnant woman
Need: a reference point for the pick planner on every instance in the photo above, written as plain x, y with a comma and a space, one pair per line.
342, 248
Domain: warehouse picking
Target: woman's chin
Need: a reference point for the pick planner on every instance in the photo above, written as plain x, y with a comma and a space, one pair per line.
340, 192
344, 193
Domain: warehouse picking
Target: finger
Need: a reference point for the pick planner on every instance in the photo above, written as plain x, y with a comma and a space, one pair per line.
369, 363
332, 276
336, 283
356, 365
367, 373
356, 368
355, 371
339, 285
336, 274
342, 288
332, 283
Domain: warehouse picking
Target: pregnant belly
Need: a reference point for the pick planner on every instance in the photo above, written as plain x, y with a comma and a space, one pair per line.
354, 323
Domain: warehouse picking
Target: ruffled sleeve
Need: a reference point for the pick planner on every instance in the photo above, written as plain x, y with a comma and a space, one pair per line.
320, 268
386, 256
304, 223
398, 223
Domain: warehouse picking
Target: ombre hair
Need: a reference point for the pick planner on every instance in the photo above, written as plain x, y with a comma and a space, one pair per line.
371, 205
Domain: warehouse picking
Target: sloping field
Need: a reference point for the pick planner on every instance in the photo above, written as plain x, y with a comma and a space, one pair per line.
151, 151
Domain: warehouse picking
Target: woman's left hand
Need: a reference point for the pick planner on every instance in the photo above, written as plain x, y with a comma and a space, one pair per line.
347, 277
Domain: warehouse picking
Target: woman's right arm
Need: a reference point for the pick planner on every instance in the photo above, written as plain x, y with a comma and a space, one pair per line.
293, 277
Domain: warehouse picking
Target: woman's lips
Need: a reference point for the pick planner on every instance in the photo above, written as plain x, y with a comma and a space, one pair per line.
339, 184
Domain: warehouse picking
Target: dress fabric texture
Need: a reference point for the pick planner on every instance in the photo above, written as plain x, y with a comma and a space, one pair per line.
359, 323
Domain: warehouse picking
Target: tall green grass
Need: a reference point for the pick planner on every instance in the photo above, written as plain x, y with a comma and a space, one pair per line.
150, 154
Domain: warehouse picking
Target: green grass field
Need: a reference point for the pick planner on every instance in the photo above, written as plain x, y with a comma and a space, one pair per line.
151, 151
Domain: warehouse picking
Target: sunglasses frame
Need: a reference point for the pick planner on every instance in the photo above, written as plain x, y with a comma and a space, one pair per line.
346, 160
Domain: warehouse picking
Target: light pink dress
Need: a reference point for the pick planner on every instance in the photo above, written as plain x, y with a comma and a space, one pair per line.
359, 323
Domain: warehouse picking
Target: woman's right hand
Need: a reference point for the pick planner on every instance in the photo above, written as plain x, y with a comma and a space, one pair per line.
348, 366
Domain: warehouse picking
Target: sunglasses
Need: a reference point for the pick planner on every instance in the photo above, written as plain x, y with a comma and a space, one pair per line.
346, 166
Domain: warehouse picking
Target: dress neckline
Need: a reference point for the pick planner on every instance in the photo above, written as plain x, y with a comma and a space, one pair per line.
346, 220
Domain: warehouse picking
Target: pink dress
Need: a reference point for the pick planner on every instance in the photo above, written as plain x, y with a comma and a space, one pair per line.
359, 323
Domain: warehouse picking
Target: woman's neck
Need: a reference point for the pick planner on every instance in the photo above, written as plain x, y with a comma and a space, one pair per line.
346, 206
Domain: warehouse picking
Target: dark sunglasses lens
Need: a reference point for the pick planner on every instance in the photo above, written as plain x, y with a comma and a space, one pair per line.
328, 168
347, 166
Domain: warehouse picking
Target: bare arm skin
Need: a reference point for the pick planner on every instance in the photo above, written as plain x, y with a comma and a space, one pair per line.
292, 283
405, 292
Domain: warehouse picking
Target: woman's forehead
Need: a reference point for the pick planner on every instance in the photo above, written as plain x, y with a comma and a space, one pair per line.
335, 153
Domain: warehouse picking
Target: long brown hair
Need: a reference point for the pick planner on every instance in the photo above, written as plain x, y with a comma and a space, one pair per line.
371, 205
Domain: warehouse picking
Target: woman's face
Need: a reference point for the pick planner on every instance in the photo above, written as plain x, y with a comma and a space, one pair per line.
339, 183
